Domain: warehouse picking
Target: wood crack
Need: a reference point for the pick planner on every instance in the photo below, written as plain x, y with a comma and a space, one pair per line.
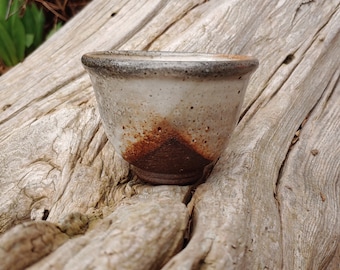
298, 9
262, 91
147, 47
332, 83
40, 98
303, 123
161, 5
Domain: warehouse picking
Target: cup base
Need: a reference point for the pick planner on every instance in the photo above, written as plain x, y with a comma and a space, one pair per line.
169, 179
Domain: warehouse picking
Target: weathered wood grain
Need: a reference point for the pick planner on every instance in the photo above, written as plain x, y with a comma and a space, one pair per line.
268, 204
29, 242
308, 189
123, 241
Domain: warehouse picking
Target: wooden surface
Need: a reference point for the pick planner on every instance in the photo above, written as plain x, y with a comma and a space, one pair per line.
272, 200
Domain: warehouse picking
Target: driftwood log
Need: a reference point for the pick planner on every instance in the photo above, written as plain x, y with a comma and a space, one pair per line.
271, 202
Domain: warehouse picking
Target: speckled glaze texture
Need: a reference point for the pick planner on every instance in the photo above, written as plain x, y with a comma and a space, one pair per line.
169, 114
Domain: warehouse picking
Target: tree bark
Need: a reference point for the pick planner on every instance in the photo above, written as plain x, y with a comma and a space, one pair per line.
272, 200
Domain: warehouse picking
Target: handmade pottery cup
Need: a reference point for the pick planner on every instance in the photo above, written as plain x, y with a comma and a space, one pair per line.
169, 114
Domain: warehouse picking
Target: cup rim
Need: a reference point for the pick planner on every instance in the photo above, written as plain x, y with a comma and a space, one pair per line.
150, 62
166, 56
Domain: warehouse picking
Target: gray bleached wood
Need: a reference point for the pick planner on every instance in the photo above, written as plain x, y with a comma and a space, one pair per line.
312, 183
29, 242
268, 204
120, 240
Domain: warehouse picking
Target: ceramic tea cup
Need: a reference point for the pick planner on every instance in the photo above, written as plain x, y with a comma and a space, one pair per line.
169, 114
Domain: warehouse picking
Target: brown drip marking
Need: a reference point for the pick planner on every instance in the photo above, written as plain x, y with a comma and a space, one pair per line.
164, 151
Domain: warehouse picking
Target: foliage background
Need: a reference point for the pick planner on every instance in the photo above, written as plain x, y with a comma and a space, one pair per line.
25, 24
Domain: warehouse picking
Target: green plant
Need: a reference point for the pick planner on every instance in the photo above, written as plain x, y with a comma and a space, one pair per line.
20, 33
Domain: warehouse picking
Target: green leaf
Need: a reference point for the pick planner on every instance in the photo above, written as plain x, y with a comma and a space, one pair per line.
29, 24
29, 40
15, 8
18, 35
28, 20
34, 20
7, 47
16, 30
39, 19
3, 9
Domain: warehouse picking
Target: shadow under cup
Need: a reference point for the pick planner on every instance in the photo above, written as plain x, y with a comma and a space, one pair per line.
169, 114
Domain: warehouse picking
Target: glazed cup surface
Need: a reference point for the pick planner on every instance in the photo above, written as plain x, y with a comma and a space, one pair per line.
169, 114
